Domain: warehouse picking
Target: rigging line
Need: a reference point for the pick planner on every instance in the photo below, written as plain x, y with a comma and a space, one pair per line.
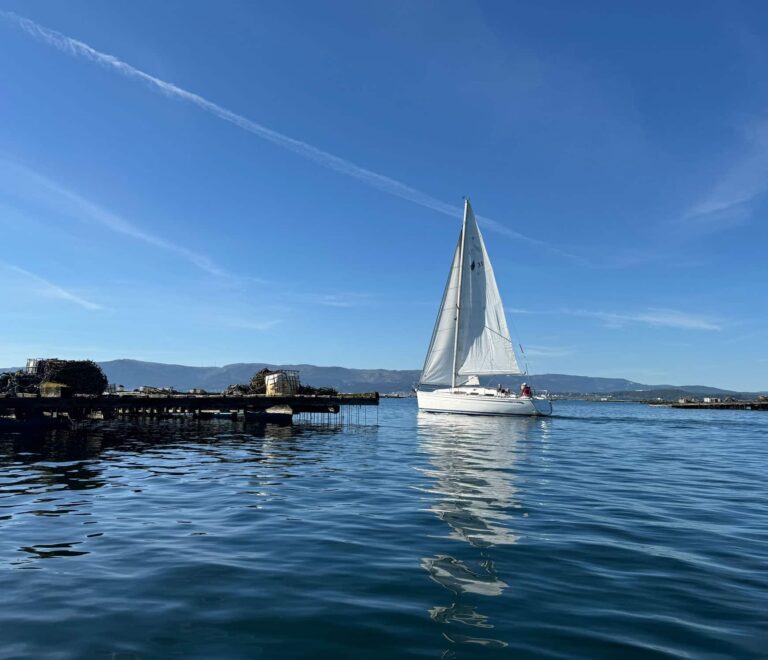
525, 357
517, 334
512, 344
509, 339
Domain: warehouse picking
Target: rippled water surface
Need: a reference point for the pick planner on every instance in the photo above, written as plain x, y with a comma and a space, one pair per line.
607, 530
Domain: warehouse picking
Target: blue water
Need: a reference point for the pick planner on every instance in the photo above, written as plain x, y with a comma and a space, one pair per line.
608, 530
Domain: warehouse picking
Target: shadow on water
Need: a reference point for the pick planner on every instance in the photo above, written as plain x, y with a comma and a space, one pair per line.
473, 491
52, 473
59, 447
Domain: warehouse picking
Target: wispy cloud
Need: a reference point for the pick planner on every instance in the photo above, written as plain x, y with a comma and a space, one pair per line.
49, 289
86, 210
14, 354
666, 318
755, 337
341, 299
653, 316
246, 324
743, 181
323, 158
519, 310
548, 351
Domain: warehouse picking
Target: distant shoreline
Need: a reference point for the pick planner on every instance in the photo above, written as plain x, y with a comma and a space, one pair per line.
136, 373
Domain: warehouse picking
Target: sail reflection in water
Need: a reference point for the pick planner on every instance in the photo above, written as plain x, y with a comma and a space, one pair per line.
473, 491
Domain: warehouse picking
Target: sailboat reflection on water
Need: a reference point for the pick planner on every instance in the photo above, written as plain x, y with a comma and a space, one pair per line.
472, 490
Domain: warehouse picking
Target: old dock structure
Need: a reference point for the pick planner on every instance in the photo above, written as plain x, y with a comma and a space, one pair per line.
258, 407
723, 405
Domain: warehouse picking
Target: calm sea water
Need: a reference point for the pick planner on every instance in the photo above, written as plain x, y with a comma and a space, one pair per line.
608, 530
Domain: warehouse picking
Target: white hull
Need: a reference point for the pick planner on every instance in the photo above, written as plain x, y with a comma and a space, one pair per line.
481, 401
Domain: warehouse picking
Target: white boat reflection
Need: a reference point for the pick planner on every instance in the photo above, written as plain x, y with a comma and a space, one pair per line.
472, 459
457, 577
472, 489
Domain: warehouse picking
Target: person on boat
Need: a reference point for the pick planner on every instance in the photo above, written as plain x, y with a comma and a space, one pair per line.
525, 390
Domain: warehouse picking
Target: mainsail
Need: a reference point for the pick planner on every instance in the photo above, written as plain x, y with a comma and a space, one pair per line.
471, 337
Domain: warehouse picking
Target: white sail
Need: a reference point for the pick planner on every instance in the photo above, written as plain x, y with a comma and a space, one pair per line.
438, 367
484, 346
480, 345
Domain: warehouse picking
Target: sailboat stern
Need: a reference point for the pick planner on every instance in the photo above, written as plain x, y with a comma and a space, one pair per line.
543, 405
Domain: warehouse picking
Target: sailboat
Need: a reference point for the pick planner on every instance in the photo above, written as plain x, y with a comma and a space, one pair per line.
471, 339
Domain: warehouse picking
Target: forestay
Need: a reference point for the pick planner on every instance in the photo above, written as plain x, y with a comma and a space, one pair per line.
471, 329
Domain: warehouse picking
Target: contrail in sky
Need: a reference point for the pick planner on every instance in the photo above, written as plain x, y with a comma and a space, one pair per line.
384, 183
72, 204
50, 289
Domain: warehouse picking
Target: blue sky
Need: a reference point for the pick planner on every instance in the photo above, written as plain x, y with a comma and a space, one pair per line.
206, 183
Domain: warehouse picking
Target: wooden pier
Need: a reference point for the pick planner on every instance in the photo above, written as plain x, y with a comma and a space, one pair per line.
253, 406
724, 405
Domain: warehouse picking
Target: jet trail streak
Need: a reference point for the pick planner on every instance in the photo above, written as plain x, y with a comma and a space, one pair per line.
325, 159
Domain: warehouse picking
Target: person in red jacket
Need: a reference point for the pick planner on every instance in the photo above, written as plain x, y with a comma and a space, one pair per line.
525, 390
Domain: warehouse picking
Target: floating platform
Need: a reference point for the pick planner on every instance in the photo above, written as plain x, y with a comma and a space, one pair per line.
724, 405
257, 407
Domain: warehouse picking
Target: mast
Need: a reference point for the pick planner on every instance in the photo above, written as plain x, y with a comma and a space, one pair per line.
458, 295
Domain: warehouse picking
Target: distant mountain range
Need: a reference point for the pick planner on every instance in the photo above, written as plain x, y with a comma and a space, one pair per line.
134, 373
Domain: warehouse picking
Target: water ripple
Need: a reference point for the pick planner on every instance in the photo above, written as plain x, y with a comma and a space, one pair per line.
606, 530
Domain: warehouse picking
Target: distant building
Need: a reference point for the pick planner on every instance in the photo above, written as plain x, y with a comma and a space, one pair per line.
711, 399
